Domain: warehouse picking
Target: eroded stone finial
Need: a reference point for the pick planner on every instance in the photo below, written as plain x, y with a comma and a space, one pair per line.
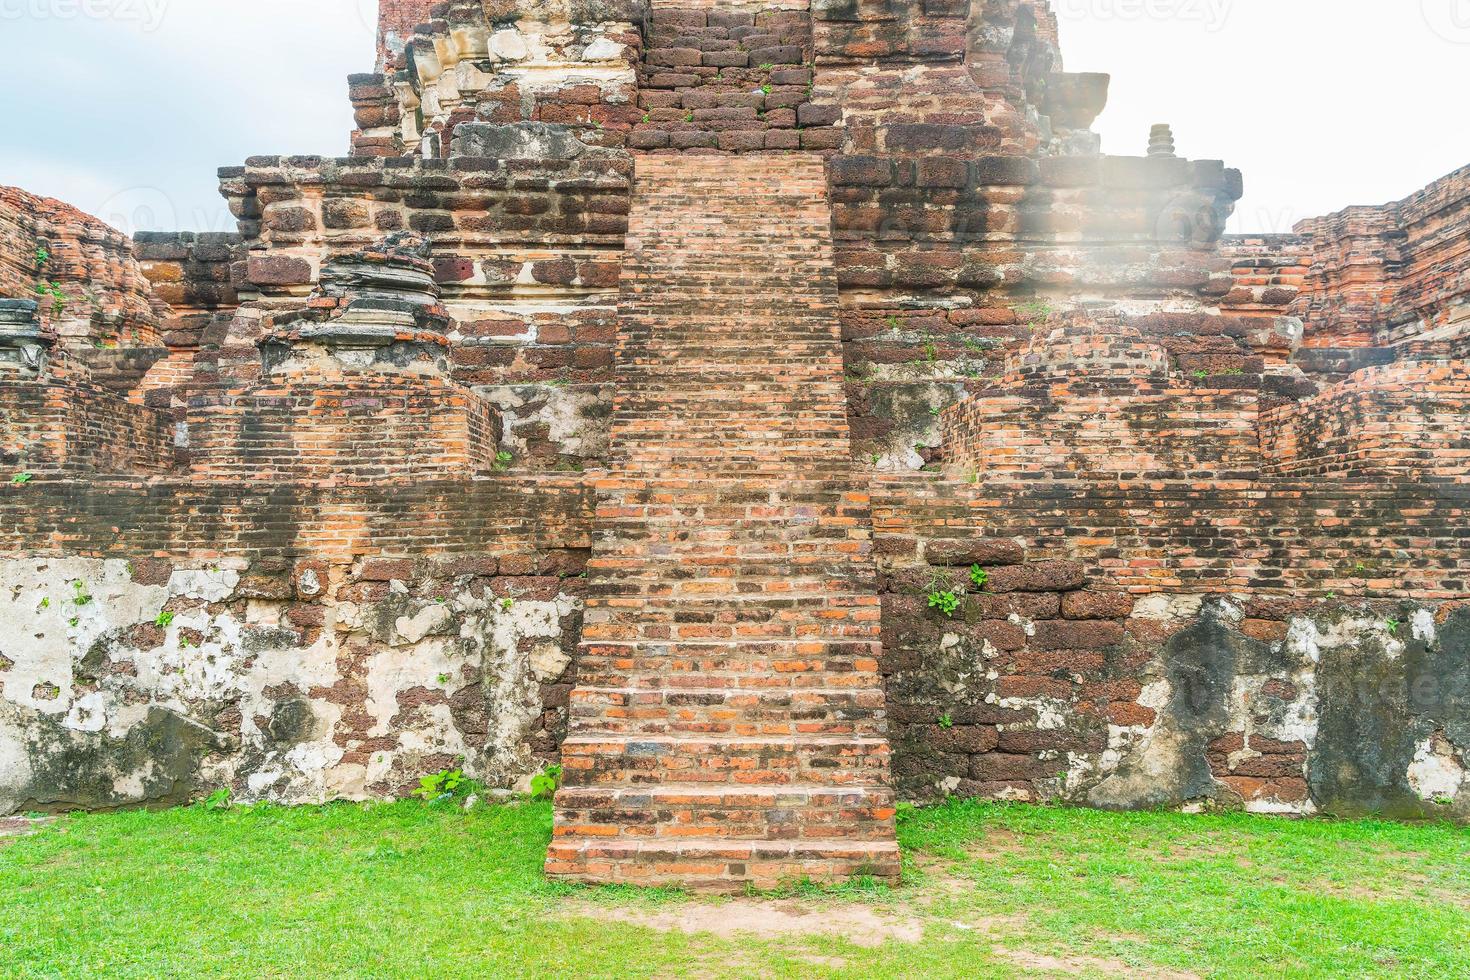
377, 308
24, 345
1161, 141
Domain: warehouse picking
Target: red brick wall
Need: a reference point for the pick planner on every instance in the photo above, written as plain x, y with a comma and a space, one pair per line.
364, 429
106, 299
1405, 421
731, 79
396, 21
1382, 274
515, 518
78, 429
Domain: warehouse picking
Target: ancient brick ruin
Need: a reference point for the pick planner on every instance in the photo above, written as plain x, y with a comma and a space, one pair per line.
766, 411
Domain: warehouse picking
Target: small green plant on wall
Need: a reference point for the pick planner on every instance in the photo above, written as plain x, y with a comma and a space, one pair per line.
54, 293
442, 787
546, 782
979, 577
944, 595
945, 601
1034, 314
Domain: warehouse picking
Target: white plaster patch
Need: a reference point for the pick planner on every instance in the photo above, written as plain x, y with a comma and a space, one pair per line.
508, 45
1421, 625
549, 661
309, 584
414, 628
1165, 608
209, 584
1436, 773
604, 49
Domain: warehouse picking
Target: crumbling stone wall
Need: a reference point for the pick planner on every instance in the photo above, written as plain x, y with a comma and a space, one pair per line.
1211, 492
1302, 673
151, 681
130, 678
97, 294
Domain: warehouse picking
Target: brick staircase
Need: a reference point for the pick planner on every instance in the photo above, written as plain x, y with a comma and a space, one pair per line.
728, 726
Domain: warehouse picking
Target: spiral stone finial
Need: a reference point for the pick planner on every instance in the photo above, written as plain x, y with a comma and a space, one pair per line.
1161, 141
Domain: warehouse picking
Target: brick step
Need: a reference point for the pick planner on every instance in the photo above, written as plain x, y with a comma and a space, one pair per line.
837, 649
718, 597
654, 594
708, 420
699, 456
717, 865
709, 347
722, 711
658, 673
709, 464
700, 521
723, 618
652, 591
837, 479
683, 811
749, 513
679, 629
681, 385
808, 523
846, 760
703, 350
694, 571
756, 535
709, 467
655, 665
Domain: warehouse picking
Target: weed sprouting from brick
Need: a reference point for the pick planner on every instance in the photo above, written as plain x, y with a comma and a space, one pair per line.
444, 786
1034, 314
946, 602
52, 291
217, 800
545, 783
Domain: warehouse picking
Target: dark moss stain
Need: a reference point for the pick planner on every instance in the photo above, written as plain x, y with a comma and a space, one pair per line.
292, 722
76, 770
1376, 711
1200, 663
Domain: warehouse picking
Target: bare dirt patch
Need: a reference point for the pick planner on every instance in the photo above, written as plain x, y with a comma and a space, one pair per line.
858, 924
11, 827
1079, 965
999, 843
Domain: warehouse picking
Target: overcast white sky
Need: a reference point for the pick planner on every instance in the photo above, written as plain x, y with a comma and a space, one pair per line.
126, 107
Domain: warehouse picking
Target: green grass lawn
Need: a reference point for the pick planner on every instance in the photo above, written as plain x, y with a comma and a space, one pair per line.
990, 890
